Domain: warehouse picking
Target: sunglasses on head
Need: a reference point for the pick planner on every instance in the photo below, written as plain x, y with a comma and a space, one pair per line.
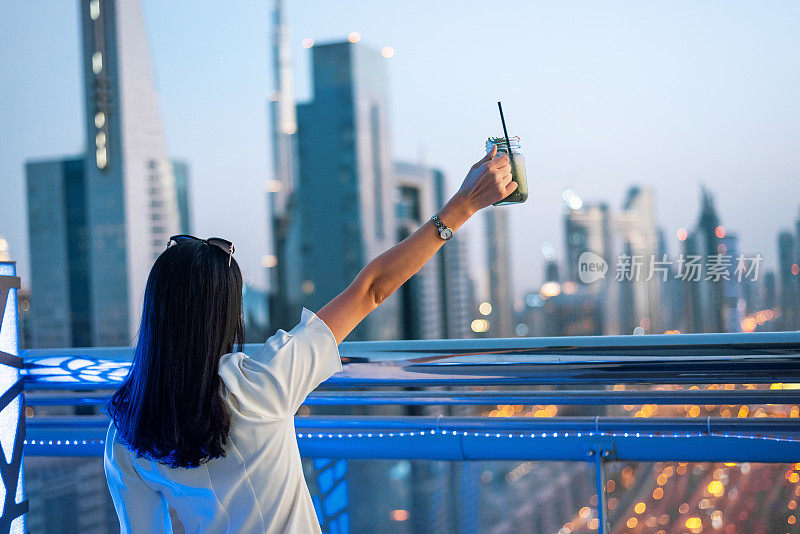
225, 245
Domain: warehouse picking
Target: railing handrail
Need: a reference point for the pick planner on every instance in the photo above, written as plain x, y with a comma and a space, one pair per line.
484, 438
677, 359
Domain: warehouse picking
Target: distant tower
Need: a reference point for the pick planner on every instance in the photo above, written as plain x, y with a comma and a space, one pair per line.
704, 300
284, 279
345, 207
498, 241
588, 228
456, 285
435, 302
787, 279
733, 290
182, 189
97, 223
130, 188
421, 310
637, 229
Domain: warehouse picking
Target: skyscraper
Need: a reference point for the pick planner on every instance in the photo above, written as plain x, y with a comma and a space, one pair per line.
628, 241
421, 310
589, 228
435, 303
180, 170
733, 290
130, 189
345, 211
115, 206
501, 319
635, 225
703, 296
284, 279
60, 254
456, 286
787, 280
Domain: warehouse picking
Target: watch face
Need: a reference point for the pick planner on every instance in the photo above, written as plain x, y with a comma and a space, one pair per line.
446, 233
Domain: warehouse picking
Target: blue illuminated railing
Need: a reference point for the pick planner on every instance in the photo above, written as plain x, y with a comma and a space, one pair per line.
656, 359
66, 376
573, 371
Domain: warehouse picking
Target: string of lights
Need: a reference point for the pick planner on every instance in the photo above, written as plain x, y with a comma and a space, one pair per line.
490, 435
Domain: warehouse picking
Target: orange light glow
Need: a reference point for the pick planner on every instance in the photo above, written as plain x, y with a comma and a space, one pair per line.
716, 488
694, 523
682, 234
399, 515
719, 231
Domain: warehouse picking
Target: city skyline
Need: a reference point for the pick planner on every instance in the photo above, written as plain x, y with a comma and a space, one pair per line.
745, 131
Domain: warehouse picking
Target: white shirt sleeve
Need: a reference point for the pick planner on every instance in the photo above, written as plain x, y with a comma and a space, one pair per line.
140, 509
278, 377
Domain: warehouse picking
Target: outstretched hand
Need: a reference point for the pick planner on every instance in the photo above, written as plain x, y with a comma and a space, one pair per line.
488, 181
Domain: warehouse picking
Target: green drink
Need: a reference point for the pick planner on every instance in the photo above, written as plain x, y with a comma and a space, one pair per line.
518, 174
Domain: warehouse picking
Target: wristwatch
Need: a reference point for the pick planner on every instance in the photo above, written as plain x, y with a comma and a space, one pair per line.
444, 232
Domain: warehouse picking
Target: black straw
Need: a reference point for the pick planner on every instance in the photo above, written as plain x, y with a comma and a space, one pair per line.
505, 132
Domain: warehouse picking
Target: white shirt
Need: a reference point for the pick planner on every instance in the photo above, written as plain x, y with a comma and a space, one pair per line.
258, 486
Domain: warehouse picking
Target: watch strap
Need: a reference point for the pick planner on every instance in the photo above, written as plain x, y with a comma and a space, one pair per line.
440, 225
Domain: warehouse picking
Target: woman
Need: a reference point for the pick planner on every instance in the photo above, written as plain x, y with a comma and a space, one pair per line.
210, 432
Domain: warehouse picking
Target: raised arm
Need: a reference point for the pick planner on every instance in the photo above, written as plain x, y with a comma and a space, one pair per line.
488, 181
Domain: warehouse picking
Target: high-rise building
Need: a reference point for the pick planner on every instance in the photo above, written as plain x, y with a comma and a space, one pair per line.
68, 495
435, 302
589, 228
641, 293
60, 254
457, 285
671, 291
787, 280
254, 309
501, 320
180, 170
284, 276
704, 300
345, 208
768, 292
733, 289
421, 310
108, 215
628, 241
130, 188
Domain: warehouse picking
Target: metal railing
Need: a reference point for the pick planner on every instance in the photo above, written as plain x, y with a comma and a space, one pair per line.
574, 371
532, 371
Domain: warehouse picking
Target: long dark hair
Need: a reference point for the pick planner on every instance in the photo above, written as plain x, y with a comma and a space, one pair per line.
170, 406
